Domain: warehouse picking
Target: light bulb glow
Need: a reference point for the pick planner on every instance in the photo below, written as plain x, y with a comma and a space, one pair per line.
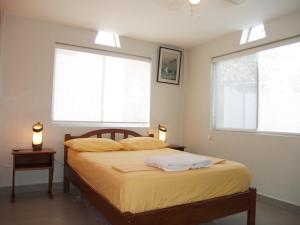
162, 136
37, 138
194, 2
162, 133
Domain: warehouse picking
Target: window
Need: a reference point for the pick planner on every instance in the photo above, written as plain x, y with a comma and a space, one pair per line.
100, 88
107, 38
259, 91
253, 34
236, 93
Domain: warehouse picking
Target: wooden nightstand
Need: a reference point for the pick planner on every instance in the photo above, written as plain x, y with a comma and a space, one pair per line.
27, 159
176, 147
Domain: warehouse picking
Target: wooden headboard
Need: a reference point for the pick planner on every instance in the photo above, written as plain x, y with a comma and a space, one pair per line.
111, 132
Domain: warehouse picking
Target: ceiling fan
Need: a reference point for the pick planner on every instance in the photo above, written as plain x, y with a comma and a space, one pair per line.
196, 6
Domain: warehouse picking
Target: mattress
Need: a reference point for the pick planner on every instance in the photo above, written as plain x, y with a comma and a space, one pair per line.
142, 191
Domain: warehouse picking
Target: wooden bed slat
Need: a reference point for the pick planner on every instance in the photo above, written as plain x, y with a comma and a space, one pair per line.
101, 132
113, 135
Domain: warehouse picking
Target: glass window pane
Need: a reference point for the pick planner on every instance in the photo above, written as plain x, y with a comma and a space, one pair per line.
257, 32
236, 93
279, 89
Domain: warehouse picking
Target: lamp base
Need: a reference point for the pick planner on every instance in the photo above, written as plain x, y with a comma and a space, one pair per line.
37, 147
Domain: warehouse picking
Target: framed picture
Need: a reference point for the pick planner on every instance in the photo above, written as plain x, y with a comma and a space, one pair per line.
169, 64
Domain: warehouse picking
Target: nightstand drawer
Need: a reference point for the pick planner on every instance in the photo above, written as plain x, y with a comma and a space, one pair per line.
33, 161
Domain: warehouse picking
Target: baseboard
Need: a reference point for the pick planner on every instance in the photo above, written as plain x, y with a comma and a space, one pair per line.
56, 187
278, 203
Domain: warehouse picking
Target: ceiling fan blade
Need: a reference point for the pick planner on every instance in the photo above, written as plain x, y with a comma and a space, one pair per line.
236, 2
214, 4
176, 4
206, 7
172, 5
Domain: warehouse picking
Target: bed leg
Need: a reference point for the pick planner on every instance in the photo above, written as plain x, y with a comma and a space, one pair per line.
66, 184
251, 217
251, 213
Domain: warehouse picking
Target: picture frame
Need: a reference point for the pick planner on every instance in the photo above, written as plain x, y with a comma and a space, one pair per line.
169, 65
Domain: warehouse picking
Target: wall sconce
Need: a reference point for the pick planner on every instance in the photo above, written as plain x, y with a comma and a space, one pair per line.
162, 132
37, 136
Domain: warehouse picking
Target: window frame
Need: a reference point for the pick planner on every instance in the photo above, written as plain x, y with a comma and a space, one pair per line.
71, 47
239, 53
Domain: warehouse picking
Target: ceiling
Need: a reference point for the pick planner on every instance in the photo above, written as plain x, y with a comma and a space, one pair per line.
153, 20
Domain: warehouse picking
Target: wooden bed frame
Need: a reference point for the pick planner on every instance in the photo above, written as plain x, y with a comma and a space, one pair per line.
186, 214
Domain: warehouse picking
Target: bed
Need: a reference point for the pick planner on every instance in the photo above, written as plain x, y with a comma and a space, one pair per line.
236, 198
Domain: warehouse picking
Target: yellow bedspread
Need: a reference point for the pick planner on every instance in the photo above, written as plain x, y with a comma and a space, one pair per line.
148, 190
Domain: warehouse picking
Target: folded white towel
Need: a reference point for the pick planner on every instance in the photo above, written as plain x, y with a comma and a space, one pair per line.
178, 162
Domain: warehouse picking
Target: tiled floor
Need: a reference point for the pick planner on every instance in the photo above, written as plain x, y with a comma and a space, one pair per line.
70, 209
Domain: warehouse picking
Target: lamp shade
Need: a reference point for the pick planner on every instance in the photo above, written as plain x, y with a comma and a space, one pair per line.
37, 136
162, 132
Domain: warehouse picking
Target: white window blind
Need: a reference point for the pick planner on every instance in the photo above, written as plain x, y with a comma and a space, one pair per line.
236, 93
279, 89
100, 88
259, 91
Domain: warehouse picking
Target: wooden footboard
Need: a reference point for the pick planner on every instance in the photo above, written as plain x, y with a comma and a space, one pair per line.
188, 214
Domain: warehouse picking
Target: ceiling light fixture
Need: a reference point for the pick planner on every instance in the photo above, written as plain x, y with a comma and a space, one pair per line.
194, 2
197, 7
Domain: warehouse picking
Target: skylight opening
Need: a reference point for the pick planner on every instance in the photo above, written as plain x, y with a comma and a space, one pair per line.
245, 35
253, 34
108, 39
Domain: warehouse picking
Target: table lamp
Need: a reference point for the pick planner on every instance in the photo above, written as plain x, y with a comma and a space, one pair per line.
37, 136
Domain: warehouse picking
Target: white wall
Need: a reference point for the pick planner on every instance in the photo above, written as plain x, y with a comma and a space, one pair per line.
273, 160
2, 169
28, 51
